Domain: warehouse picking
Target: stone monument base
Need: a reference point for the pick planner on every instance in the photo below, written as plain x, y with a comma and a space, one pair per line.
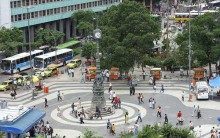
106, 111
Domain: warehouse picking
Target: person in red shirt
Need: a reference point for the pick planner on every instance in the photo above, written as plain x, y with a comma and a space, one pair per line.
116, 101
179, 114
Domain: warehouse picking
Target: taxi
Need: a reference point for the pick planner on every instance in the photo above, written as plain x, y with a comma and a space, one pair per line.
74, 63
6, 85
51, 70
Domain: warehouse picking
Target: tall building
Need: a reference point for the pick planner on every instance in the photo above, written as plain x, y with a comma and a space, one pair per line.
53, 14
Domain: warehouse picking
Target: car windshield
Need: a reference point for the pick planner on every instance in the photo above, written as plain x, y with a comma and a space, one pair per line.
72, 62
201, 90
4, 83
38, 63
6, 64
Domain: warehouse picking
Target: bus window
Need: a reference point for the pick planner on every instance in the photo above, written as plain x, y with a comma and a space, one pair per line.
6, 64
53, 58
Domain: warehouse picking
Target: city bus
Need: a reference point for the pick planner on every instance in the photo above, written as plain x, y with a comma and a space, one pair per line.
59, 57
19, 62
214, 4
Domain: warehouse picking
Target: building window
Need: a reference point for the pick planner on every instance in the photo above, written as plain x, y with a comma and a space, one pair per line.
44, 13
72, 8
51, 11
18, 3
32, 15
35, 2
14, 4
57, 10
12, 18
95, 3
100, 3
27, 3
24, 16
35, 14
19, 17
51, 0
11, 4
40, 13
43, 1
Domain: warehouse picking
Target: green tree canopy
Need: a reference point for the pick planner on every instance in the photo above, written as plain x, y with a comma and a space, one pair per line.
48, 37
128, 33
204, 37
10, 39
84, 21
88, 50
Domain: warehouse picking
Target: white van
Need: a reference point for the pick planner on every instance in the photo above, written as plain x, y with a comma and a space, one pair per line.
202, 90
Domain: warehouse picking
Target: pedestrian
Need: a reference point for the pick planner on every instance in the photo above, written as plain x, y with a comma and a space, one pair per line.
142, 97
155, 88
76, 115
72, 72
150, 102
73, 107
58, 111
139, 116
81, 118
159, 111
107, 76
136, 126
58, 96
47, 125
139, 98
198, 112
28, 84
42, 74
79, 102
110, 87
110, 95
126, 118
69, 72
98, 113
191, 126
82, 78
108, 125
194, 110
162, 88
153, 103
12, 95
45, 102
51, 132
83, 112
166, 119
131, 91
119, 103
113, 96
200, 131
113, 129
183, 96
62, 97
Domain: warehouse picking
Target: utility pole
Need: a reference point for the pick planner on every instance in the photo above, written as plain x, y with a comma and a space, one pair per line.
190, 56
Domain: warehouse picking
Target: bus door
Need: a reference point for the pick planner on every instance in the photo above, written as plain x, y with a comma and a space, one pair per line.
13, 67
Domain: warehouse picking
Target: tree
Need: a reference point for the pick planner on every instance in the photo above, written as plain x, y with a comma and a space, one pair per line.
10, 40
205, 39
84, 21
48, 37
88, 50
128, 33
90, 134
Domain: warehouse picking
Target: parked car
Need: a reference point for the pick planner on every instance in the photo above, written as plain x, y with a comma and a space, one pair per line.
6, 85
51, 70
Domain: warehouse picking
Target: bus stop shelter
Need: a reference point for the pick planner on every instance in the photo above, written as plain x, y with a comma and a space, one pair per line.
16, 121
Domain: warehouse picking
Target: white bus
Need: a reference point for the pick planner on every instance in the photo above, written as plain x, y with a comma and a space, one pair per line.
59, 57
214, 4
202, 90
19, 62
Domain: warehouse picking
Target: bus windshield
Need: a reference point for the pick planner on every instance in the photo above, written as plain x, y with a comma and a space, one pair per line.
38, 63
6, 64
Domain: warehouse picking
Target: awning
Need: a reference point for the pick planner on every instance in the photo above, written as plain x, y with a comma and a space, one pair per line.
215, 82
68, 44
24, 123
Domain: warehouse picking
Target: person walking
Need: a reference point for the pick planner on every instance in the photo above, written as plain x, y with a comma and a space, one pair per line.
45, 102
139, 98
72, 72
194, 110
153, 103
191, 126
150, 102
73, 107
83, 112
113, 97
162, 89
108, 124
62, 97
58, 111
79, 102
198, 112
110, 87
69, 72
139, 116
113, 129
155, 88
131, 91
58, 96
126, 118
82, 78
98, 113
142, 97
159, 111
166, 119
81, 118
107, 76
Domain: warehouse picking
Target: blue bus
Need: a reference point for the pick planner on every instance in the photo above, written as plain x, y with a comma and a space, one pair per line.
19, 62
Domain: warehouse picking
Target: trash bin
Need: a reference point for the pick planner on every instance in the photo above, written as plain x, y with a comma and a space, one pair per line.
46, 89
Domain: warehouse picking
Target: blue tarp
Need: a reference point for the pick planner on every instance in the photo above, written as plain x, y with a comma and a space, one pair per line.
215, 82
24, 123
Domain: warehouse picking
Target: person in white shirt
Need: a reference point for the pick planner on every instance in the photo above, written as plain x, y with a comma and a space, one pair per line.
111, 95
42, 74
72, 72
107, 76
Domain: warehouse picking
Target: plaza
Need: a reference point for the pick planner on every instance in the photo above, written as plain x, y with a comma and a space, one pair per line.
170, 102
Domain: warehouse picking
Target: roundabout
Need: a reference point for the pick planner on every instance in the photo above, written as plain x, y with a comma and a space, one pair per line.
117, 118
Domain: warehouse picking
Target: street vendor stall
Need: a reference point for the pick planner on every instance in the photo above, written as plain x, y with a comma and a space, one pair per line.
199, 73
156, 73
114, 73
91, 73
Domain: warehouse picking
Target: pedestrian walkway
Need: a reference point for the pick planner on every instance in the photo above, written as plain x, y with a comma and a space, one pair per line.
204, 130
